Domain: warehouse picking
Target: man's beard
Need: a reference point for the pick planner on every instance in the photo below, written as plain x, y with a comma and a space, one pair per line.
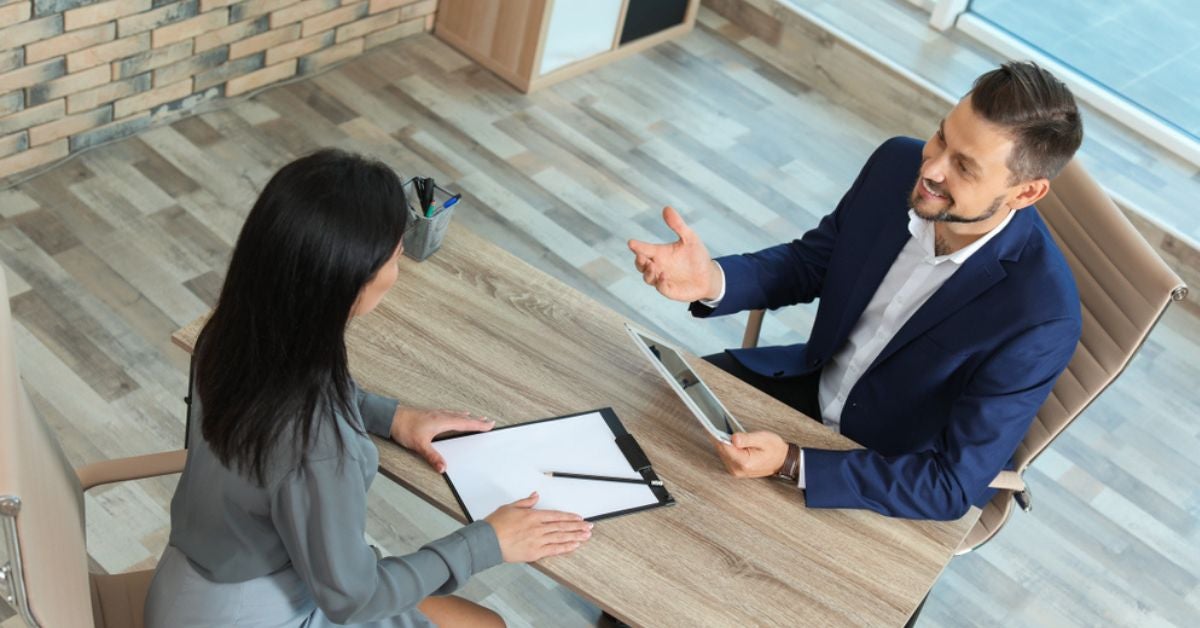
946, 215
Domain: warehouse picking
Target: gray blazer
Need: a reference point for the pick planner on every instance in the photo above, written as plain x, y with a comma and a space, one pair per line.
311, 517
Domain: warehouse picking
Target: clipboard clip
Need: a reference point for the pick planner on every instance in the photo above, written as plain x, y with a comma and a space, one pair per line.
633, 452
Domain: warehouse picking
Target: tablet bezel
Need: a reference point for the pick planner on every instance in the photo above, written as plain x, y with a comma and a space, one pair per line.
637, 335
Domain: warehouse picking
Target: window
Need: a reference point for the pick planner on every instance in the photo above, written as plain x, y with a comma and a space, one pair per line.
1144, 51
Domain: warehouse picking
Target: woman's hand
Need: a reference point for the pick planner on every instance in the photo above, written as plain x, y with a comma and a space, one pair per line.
527, 535
415, 429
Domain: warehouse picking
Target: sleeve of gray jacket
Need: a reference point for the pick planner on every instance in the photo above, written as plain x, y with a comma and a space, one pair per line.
377, 411
319, 510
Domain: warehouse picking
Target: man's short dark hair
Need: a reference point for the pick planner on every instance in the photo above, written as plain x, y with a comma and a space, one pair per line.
1038, 110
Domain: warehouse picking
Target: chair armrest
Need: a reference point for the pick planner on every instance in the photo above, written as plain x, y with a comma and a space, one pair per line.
131, 468
1008, 480
753, 327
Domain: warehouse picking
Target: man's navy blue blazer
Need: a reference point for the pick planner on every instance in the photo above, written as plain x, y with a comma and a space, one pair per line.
944, 406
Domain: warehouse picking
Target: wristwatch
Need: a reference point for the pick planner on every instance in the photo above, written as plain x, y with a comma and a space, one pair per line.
790, 471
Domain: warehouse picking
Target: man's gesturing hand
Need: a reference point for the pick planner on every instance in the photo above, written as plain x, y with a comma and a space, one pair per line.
680, 270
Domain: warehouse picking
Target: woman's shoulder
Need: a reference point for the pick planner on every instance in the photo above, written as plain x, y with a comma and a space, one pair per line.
334, 439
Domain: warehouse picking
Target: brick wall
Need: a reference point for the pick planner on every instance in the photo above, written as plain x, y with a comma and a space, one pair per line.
76, 73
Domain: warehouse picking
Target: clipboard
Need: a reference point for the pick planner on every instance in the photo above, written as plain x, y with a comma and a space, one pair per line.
486, 470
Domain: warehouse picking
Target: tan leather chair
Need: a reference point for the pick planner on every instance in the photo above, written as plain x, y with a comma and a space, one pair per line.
46, 578
1124, 288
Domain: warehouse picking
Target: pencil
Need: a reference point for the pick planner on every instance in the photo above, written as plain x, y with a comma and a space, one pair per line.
603, 478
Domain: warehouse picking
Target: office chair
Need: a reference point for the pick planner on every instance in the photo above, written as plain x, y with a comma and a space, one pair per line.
46, 578
1124, 288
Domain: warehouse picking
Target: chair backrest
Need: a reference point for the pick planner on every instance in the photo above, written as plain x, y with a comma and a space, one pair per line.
1124, 288
41, 504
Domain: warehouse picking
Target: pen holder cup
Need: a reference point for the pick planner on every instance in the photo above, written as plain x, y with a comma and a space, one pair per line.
423, 236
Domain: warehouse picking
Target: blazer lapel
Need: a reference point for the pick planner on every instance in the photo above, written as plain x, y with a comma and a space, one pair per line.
970, 281
878, 262
978, 274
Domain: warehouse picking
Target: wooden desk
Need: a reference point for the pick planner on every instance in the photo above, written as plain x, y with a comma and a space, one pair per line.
475, 328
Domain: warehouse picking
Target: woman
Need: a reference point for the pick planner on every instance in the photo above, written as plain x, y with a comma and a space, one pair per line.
268, 520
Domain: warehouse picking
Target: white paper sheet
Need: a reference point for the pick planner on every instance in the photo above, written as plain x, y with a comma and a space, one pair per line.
491, 469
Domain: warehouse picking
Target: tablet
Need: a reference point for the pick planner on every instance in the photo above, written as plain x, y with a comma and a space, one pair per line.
692, 390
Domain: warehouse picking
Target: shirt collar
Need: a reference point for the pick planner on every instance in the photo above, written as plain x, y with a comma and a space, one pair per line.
923, 232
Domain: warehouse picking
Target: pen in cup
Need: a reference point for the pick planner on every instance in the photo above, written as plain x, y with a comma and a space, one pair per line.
603, 478
424, 187
447, 205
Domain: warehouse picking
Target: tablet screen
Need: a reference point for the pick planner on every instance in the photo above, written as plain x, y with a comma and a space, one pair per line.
692, 386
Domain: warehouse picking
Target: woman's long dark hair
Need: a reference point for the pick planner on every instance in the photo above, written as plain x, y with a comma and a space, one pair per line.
271, 361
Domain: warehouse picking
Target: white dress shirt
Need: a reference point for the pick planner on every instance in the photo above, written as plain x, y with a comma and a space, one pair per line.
914, 276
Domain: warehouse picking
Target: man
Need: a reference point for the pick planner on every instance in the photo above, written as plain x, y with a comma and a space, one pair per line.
946, 311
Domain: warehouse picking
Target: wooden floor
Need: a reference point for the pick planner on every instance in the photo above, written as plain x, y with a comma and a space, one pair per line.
107, 254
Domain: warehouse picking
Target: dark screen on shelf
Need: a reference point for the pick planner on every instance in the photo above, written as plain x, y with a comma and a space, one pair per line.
647, 17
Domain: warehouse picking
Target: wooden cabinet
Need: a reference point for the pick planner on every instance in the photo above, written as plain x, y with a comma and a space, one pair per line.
532, 43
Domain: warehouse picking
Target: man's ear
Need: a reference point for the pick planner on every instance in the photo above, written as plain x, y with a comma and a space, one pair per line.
1030, 192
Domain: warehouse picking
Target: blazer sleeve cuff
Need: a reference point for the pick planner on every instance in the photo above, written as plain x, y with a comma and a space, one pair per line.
823, 483
740, 293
